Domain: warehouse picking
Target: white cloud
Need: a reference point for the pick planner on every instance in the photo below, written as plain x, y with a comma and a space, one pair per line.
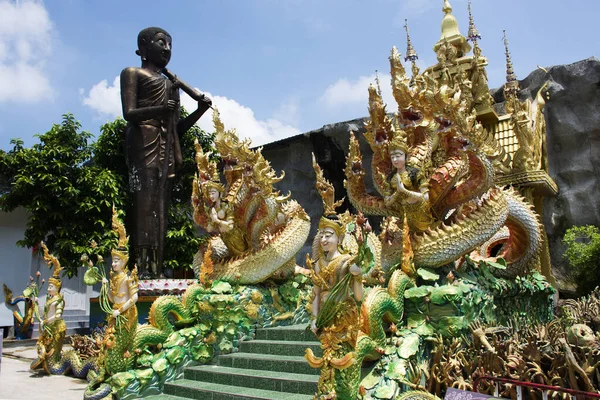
288, 112
242, 119
105, 100
25, 43
345, 92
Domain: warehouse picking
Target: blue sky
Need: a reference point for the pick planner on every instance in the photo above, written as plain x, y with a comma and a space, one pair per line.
275, 68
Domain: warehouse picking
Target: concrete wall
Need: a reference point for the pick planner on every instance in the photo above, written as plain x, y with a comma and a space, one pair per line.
15, 262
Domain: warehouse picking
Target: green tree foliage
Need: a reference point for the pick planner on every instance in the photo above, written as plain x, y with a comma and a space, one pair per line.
69, 186
182, 239
69, 200
583, 254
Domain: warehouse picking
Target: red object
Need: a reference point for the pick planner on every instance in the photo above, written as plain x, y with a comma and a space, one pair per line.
539, 386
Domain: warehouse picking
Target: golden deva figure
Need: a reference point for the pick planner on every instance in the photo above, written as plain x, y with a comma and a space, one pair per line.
408, 187
52, 327
221, 220
337, 288
123, 294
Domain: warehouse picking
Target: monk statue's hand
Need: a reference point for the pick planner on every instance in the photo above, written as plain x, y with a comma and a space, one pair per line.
172, 105
205, 101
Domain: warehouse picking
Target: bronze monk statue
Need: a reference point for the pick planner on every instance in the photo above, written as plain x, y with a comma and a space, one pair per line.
150, 99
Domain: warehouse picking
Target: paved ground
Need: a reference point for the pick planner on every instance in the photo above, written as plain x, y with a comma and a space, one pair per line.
17, 382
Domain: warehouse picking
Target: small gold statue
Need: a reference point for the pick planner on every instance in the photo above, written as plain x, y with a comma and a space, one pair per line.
52, 327
408, 188
221, 220
122, 291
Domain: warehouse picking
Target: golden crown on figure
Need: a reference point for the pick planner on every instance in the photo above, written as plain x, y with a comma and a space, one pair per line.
118, 227
52, 263
398, 142
330, 218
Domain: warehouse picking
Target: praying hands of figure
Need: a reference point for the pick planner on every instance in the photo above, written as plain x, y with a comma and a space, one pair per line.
214, 215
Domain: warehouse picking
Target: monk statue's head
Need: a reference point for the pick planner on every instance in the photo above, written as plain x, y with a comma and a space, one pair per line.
154, 46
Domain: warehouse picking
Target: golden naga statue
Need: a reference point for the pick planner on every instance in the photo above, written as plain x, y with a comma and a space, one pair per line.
434, 164
256, 232
338, 286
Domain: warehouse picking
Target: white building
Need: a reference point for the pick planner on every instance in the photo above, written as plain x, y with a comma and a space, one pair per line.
17, 264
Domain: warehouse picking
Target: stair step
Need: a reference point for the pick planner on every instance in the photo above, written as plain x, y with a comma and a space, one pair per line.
164, 397
273, 362
214, 391
293, 332
253, 378
281, 347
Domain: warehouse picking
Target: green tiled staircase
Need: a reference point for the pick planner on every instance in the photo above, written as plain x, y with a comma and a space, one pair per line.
270, 367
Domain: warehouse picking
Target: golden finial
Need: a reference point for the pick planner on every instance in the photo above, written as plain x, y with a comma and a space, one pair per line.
473, 33
512, 84
411, 53
326, 190
377, 82
451, 32
52, 262
447, 8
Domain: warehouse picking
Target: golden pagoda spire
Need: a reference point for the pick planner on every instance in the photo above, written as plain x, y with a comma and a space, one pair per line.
451, 32
512, 84
411, 53
447, 8
473, 34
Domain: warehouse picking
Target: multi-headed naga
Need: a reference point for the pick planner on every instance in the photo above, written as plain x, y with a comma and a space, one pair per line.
256, 231
432, 164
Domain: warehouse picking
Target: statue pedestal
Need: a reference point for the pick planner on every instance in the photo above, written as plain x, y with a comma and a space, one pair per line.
158, 287
148, 291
